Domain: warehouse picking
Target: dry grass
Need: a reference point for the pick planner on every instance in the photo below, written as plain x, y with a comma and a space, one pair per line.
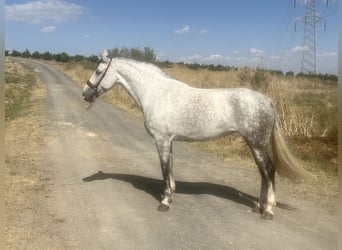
19, 82
306, 107
26, 180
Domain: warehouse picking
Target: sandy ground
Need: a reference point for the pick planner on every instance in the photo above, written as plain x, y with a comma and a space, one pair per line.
81, 179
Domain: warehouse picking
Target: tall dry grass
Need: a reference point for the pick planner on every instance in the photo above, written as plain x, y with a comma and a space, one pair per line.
306, 108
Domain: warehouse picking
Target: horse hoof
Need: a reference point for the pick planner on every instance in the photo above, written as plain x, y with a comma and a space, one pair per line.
257, 209
163, 208
267, 215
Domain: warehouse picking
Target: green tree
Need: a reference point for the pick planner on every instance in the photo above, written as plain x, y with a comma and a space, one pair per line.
77, 58
289, 73
136, 54
114, 52
16, 53
47, 56
124, 52
36, 55
62, 57
149, 55
94, 59
26, 54
145, 55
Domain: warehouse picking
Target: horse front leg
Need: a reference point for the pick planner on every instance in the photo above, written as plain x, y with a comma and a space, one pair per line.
166, 163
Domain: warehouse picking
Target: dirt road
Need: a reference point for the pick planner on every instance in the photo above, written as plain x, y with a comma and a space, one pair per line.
105, 182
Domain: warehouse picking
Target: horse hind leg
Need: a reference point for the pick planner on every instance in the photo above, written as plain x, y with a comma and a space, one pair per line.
267, 172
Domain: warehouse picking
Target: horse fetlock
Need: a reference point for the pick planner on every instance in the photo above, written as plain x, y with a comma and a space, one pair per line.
168, 194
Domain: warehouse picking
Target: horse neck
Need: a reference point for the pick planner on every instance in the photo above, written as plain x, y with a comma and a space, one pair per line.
134, 81
131, 90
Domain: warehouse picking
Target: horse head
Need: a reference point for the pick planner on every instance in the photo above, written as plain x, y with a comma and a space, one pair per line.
101, 80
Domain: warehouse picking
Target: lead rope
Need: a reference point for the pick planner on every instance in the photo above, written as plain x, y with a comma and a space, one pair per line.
88, 107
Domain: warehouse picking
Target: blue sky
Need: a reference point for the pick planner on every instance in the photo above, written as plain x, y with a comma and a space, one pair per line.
237, 33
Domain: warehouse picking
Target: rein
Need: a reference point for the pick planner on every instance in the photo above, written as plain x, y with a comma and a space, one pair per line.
95, 86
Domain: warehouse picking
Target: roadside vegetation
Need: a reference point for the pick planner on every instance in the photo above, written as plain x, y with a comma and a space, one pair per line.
26, 178
19, 84
306, 104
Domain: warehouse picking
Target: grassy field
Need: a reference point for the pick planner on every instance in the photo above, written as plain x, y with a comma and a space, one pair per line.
307, 109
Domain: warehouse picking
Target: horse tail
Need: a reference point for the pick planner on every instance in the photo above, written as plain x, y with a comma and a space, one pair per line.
285, 163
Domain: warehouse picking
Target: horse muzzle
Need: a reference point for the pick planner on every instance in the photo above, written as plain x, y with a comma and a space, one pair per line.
89, 94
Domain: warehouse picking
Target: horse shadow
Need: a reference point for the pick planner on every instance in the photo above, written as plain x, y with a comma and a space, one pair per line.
154, 188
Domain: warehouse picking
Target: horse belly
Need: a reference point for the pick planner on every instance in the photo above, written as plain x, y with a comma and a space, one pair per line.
197, 116
202, 135
205, 124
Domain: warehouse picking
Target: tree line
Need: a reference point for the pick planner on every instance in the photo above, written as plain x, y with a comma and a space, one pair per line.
148, 55
59, 57
144, 55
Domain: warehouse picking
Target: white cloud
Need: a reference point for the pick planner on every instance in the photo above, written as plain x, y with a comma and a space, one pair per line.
327, 62
184, 30
257, 52
194, 57
48, 29
240, 58
36, 12
328, 54
203, 31
255, 61
214, 57
197, 58
297, 49
86, 35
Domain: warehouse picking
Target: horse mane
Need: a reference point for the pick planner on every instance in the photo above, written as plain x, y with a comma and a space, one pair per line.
143, 67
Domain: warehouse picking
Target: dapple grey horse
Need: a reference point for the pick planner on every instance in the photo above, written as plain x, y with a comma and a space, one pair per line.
175, 111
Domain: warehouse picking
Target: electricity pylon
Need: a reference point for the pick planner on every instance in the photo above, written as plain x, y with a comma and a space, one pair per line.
310, 20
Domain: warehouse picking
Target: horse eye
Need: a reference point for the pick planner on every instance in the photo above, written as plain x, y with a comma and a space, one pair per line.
98, 71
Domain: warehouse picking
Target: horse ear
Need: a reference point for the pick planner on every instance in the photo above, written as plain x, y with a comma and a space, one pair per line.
104, 56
